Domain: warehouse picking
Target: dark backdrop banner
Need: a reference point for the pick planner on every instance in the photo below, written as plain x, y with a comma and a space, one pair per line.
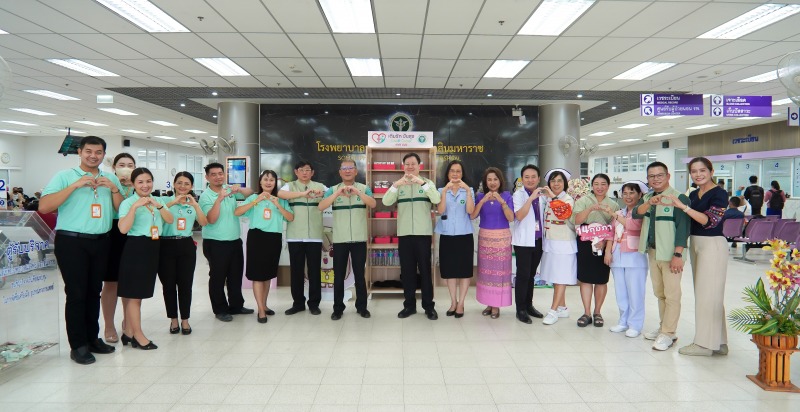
479, 136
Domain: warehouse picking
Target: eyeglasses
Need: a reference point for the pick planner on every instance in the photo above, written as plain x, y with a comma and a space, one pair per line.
347, 168
658, 176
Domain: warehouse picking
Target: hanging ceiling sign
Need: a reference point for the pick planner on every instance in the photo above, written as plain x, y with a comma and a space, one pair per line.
671, 104
793, 116
741, 106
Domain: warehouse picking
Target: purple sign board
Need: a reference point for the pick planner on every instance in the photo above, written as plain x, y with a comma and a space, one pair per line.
671, 104
741, 106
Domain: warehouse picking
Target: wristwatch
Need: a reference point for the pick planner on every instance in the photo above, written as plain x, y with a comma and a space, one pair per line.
678, 254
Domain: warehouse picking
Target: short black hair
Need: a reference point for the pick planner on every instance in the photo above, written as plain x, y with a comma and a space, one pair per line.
657, 164
557, 173
601, 176
214, 165
303, 163
412, 154
140, 171
123, 155
753, 179
530, 166
736, 201
186, 175
274, 175
447, 171
93, 140
775, 185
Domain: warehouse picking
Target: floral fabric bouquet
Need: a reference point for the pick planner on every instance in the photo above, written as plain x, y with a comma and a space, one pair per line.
578, 188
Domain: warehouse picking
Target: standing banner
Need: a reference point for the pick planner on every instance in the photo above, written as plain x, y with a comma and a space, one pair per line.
652, 104
741, 106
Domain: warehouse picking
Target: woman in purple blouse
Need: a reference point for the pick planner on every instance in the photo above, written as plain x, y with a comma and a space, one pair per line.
493, 286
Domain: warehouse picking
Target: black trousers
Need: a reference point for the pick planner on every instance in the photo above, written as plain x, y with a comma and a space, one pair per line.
528, 259
302, 254
83, 263
415, 255
177, 260
226, 265
357, 251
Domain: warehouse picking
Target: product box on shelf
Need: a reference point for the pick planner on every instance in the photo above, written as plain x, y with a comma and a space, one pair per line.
382, 239
383, 215
395, 239
383, 166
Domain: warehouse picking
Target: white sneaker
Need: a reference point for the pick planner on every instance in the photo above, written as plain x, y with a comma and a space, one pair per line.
562, 312
632, 333
663, 342
551, 318
618, 328
652, 335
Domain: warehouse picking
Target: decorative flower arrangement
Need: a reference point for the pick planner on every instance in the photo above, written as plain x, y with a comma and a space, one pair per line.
578, 188
778, 313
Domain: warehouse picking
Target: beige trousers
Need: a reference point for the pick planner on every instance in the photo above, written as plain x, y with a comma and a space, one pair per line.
667, 288
709, 270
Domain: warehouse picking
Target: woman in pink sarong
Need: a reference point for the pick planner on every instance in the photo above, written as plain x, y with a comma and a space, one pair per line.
494, 243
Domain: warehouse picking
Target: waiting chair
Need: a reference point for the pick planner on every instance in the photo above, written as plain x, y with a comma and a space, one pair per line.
758, 232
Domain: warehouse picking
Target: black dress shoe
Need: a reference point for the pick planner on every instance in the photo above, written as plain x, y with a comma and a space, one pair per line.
82, 356
314, 311
270, 312
431, 314
364, 313
334, 315
524, 318
293, 310
459, 315
406, 313
125, 339
535, 313
98, 346
225, 317
262, 320
241, 311
150, 345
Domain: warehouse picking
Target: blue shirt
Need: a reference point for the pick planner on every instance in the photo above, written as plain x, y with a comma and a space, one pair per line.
457, 222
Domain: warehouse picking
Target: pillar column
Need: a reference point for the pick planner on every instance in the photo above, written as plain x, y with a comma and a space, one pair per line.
240, 121
555, 122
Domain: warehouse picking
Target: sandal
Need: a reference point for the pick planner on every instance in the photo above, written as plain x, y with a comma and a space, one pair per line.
598, 320
584, 321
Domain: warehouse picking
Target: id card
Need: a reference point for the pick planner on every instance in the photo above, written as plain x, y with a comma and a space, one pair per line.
181, 223
154, 232
267, 214
97, 211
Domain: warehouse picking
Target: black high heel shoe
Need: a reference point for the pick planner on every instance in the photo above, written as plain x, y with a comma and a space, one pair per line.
150, 345
126, 340
450, 313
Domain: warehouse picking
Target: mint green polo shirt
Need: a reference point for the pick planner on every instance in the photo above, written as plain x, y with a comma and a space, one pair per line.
126, 192
227, 225
144, 218
179, 211
75, 214
256, 215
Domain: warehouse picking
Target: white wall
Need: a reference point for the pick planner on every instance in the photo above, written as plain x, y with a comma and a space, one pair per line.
667, 156
15, 147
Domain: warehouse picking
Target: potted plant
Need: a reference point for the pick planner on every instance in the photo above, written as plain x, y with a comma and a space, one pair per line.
773, 319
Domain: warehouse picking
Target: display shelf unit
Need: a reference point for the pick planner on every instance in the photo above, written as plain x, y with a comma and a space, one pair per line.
388, 226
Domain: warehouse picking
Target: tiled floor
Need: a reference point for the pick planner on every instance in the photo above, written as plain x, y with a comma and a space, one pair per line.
310, 363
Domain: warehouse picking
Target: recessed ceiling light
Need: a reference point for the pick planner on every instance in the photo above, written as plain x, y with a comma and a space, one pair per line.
214, 116
90, 123
613, 107
52, 95
633, 125
222, 66
31, 111
305, 93
105, 98
751, 21
11, 131
761, 78
606, 144
364, 67
165, 137
189, 142
162, 123
195, 131
19, 123
397, 94
145, 15
183, 104
582, 139
600, 133
669, 117
702, 126
214, 93
660, 134
580, 96
489, 95
133, 131
552, 17
644, 71
117, 111
506, 69
629, 140
781, 102
349, 16
83, 67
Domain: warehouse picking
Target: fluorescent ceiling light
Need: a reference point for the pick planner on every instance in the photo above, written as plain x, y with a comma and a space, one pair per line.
83, 67
36, 112
105, 98
506, 69
348, 16
145, 15
213, 137
760, 17
781, 102
702, 126
660, 134
195, 131
117, 111
749, 118
552, 17
162, 123
165, 137
669, 117
189, 142
222, 66
761, 78
19, 123
644, 71
3, 32
10, 131
629, 140
90, 123
72, 131
606, 144
633, 125
364, 67
582, 139
133, 131
52, 95
601, 133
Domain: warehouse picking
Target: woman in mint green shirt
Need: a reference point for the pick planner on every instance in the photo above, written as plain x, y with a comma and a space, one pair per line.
142, 218
178, 255
267, 213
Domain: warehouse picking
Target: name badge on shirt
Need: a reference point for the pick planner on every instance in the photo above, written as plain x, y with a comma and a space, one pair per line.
154, 232
267, 214
181, 223
97, 211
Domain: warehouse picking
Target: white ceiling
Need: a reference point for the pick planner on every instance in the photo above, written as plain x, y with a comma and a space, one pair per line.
422, 44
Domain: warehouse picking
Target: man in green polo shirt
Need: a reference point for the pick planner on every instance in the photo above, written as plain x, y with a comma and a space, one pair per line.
351, 202
222, 244
304, 237
86, 199
414, 195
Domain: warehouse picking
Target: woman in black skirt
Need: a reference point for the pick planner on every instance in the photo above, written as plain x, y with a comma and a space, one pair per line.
142, 218
267, 213
456, 242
